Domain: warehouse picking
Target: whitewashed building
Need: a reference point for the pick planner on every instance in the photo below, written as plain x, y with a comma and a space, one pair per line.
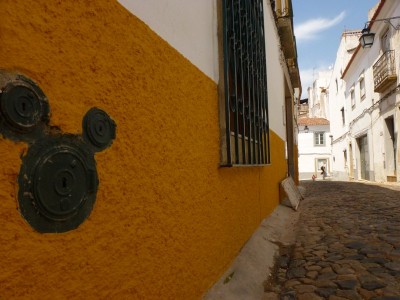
341, 140
314, 130
366, 147
318, 95
314, 147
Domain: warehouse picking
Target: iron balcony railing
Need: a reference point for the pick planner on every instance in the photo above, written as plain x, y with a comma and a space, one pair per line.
384, 71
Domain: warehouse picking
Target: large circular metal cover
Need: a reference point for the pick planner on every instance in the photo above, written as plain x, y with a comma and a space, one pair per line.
23, 107
98, 129
58, 183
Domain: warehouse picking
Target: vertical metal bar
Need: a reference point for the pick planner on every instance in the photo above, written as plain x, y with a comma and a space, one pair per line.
253, 83
265, 123
264, 116
258, 91
236, 112
248, 88
225, 10
246, 94
265, 89
242, 88
262, 86
250, 80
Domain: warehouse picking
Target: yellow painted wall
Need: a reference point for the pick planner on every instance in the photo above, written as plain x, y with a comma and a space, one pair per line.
167, 220
296, 163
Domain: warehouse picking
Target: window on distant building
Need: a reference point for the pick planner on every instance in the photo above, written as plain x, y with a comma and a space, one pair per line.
362, 88
343, 117
353, 98
385, 41
319, 139
244, 113
337, 86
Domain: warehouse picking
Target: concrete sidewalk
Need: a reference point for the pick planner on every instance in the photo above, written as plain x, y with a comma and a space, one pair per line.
343, 243
246, 276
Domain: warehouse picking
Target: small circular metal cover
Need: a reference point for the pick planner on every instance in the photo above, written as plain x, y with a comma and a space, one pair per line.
23, 107
98, 129
57, 184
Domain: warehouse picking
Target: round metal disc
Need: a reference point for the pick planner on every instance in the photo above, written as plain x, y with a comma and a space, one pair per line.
58, 183
98, 129
23, 108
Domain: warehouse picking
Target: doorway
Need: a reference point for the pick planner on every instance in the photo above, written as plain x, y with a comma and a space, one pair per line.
351, 171
390, 149
319, 162
364, 157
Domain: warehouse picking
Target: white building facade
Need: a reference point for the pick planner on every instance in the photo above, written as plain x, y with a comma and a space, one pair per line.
314, 130
314, 147
365, 125
318, 95
339, 110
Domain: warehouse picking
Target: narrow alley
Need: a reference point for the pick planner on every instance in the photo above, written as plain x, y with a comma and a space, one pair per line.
347, 244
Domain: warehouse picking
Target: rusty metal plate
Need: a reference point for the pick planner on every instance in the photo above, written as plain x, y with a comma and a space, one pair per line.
24, 109
58, 184
98, 129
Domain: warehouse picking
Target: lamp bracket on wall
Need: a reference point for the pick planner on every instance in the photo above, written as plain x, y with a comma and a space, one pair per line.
367, 37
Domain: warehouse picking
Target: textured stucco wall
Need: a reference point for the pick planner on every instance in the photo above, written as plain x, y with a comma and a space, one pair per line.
167, 220
190, 26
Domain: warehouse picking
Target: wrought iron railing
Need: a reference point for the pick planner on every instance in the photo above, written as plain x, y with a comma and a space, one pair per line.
384, 69
245, 76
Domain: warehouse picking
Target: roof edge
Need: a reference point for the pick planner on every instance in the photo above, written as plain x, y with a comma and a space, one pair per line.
378, 10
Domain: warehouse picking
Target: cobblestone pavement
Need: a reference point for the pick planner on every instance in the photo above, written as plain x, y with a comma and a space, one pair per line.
347, 245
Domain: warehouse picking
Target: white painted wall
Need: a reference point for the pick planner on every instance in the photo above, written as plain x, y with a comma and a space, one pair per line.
190, 26
337, 102
309, 153
365, 118
275, 74
317, 97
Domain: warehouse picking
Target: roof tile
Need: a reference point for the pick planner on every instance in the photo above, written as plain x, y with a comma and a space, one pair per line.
312, 121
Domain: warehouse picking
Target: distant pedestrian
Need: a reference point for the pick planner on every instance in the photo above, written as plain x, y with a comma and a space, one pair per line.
323, 172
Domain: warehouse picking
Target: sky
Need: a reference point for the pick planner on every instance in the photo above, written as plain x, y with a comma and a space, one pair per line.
318, 25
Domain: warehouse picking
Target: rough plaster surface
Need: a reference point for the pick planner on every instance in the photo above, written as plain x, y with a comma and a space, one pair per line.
167, 220
252, 266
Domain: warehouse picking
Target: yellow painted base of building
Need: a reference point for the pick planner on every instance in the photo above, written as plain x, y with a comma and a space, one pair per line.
167, 220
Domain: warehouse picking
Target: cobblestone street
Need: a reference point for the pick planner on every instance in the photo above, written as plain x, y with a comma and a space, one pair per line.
347, 245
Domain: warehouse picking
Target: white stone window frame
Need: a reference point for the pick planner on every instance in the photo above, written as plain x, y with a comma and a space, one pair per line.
352, 97
361, 83
319, 139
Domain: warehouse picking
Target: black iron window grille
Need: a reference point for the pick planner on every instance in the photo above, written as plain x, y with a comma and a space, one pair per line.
245, 83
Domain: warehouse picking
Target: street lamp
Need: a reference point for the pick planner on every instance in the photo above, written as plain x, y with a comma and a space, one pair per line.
367, 37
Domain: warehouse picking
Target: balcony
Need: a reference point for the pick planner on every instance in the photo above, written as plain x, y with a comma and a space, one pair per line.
284, 21
384, 72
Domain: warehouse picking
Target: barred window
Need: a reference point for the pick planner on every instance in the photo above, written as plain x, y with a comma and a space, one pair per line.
245, 84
